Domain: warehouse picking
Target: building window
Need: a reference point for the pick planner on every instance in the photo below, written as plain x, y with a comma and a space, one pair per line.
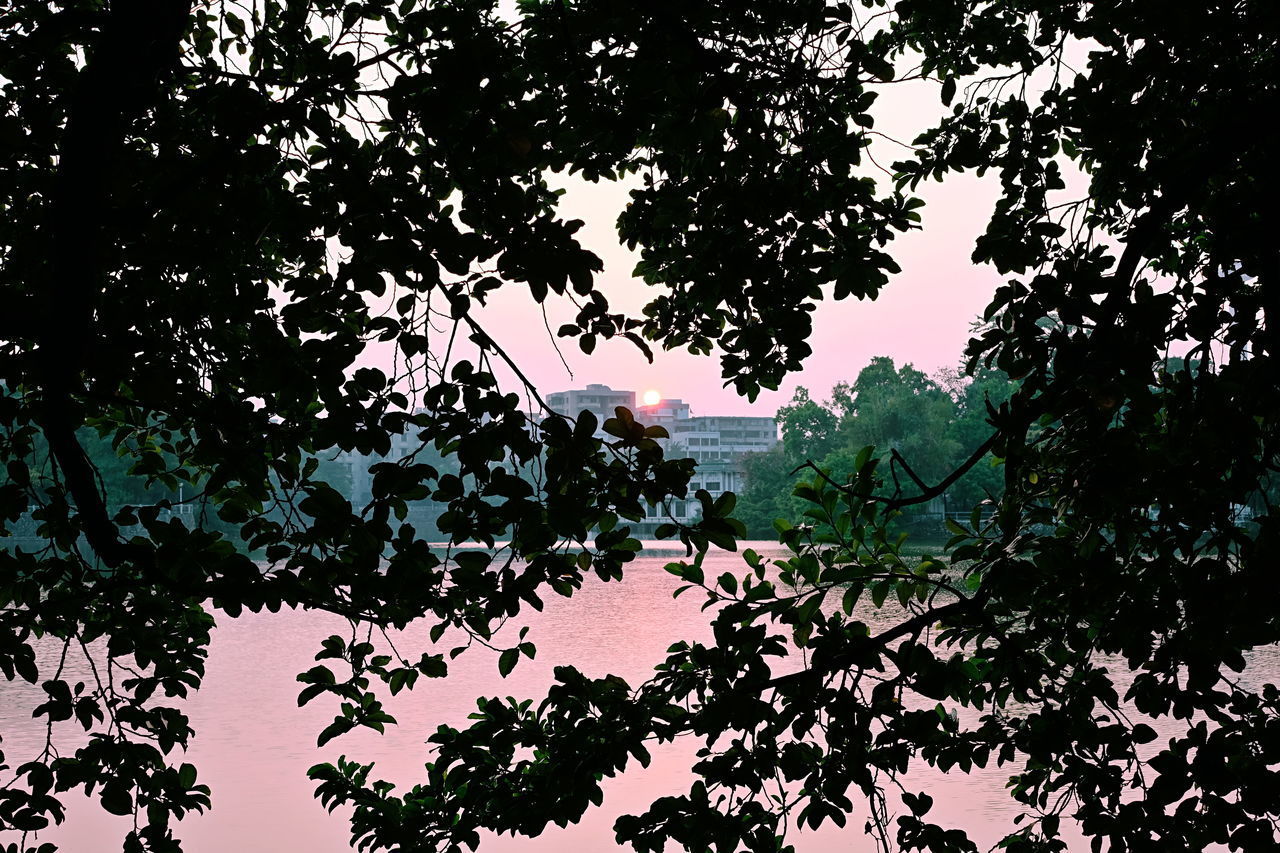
713, 487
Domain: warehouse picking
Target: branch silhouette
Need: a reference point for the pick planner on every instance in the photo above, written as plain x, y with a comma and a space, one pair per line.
927, 493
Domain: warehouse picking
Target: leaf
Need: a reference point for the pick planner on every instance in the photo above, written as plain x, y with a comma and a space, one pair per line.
1143, 733
850, 598
919, 804
116, 799
309, 693
641, 754
187, 775
472, 561
339, 726
317, 675
507, 661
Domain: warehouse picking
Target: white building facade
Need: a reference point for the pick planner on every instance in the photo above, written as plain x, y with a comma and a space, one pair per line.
719, 444
600, 400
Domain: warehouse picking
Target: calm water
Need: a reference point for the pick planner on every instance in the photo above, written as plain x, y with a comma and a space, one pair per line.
253, 745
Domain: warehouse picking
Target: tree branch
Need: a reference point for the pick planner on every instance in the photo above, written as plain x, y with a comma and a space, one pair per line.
927, 493
912, 626
489, 343
138, 44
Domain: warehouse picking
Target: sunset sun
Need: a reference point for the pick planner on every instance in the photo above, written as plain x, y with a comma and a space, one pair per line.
652, 398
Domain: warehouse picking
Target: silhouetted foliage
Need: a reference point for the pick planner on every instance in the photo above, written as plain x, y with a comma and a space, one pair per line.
211, 211
935, 423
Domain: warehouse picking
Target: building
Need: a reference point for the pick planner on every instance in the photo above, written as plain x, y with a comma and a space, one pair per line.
718, 444
600, 400
360, 490
718, 438
665, 413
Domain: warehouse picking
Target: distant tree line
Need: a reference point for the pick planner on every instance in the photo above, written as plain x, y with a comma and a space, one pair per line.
137, 468
933, 422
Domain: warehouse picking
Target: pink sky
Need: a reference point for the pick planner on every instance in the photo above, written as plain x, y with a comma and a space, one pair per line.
922, 317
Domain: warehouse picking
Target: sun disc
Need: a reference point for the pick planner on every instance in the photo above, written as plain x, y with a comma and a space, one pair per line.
652, 398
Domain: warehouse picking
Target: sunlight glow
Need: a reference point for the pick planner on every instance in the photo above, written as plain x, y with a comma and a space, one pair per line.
652, 398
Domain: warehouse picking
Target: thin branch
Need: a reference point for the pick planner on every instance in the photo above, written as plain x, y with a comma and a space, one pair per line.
487, 340
913, 626
928, 493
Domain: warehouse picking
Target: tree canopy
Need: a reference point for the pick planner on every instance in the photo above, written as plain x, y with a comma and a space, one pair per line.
929, 425
210, 211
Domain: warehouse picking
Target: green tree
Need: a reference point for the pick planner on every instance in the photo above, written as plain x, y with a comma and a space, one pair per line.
808, 427
808, 432
921, 427
767, 496
978, 397
903, 410
211, 212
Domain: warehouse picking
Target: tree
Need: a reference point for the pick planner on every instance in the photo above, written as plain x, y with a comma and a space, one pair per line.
918, 427
808, 432
978, 396
767, 497
902, 410
808, 427
209, 213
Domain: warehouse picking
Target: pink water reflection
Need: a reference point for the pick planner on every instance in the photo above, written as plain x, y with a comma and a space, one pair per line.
253, 744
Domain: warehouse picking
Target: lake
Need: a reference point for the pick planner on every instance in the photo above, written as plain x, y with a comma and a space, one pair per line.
253, 745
